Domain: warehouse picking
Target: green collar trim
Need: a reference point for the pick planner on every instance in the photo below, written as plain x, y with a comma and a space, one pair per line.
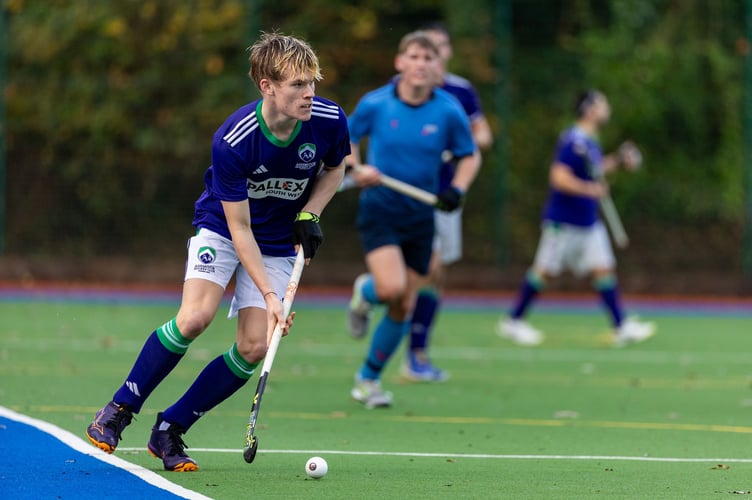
268, 133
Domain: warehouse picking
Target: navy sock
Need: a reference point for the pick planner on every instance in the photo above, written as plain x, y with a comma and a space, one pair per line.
609, 291
530, 289
218, 381
426, 307
386, 339
162, 351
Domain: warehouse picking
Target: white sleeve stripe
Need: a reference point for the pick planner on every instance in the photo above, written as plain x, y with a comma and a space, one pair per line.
322, 115
240, 124
233, 136
237, 141
321, 104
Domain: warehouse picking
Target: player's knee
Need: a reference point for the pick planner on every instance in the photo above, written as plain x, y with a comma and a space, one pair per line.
252, 351
390, 292
192, 323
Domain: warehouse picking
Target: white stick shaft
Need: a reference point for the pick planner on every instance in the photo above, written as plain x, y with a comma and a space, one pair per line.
614, 222
409, 190
292, 287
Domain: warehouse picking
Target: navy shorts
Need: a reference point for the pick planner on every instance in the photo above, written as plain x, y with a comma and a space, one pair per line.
415, 237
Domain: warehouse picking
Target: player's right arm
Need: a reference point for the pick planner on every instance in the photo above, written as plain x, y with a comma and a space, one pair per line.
359, 123
229, 182
238, 217
482, 133
361, 174
562, 179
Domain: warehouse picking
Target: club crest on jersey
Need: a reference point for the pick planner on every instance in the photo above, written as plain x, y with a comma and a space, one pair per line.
307, 152
286, 189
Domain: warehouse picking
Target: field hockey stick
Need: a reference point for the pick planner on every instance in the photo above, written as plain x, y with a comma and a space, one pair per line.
251, 441
409, 190
613, 221
400, 187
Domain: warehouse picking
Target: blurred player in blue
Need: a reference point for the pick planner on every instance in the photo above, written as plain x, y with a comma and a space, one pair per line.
276, 163
574, 238
448, 240
409, 123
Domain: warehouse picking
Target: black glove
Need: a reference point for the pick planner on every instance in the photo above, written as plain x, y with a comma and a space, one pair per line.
450, 199
307, 232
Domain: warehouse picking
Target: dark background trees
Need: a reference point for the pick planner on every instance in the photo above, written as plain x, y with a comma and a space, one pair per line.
111, 107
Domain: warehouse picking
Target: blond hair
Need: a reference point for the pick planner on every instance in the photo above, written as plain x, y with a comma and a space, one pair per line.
420, 38
277, 57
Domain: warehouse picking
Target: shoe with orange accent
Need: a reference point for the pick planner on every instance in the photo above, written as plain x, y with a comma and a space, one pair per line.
166, 443
107, 428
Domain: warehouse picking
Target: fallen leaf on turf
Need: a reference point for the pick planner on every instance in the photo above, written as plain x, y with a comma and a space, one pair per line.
720, 467
451, 460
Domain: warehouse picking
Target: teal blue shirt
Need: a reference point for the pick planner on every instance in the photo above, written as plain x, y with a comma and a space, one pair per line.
406, 142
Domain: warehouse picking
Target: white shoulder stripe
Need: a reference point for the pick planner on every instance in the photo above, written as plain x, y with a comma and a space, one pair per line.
241, 131
252, 116
245, 134
328, 106
325, 115
325, 111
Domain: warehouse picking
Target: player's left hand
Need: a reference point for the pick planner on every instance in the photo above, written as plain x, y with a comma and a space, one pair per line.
307, 233
630, 155
450, 199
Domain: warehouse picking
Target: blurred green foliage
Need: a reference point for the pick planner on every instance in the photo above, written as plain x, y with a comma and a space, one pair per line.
112, 105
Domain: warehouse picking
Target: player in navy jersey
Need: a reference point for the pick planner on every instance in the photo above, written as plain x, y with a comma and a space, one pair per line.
409, 123
276, 163
574, 238
448, 240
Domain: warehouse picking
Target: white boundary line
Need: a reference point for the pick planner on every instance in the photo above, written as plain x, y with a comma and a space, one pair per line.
478, 455
79, 445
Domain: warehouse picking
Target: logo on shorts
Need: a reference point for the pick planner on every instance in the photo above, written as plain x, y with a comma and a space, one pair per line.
207, 255
307, 152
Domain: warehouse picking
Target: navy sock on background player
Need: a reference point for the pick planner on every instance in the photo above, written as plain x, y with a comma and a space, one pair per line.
530, 289
609, 291
162, 351
424, 314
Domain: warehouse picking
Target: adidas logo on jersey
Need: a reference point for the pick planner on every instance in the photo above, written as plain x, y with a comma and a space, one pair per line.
261, 170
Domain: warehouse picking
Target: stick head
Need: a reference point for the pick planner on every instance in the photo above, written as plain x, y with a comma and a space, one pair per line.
249, 453
630, 156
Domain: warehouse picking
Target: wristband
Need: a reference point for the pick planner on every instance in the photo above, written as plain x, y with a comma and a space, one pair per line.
304, 216
269, 293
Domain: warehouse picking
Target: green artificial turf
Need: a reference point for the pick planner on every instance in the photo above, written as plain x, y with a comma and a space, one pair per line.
684, 394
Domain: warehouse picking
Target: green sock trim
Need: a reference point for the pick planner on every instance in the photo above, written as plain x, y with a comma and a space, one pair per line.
171, 338
430, 291
536, 280
237, 365
604, 282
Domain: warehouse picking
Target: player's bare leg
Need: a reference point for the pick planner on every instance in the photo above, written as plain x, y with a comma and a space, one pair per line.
162, 351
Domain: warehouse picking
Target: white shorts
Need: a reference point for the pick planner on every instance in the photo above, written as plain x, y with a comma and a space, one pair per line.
580, 250
212, 257
448, 237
